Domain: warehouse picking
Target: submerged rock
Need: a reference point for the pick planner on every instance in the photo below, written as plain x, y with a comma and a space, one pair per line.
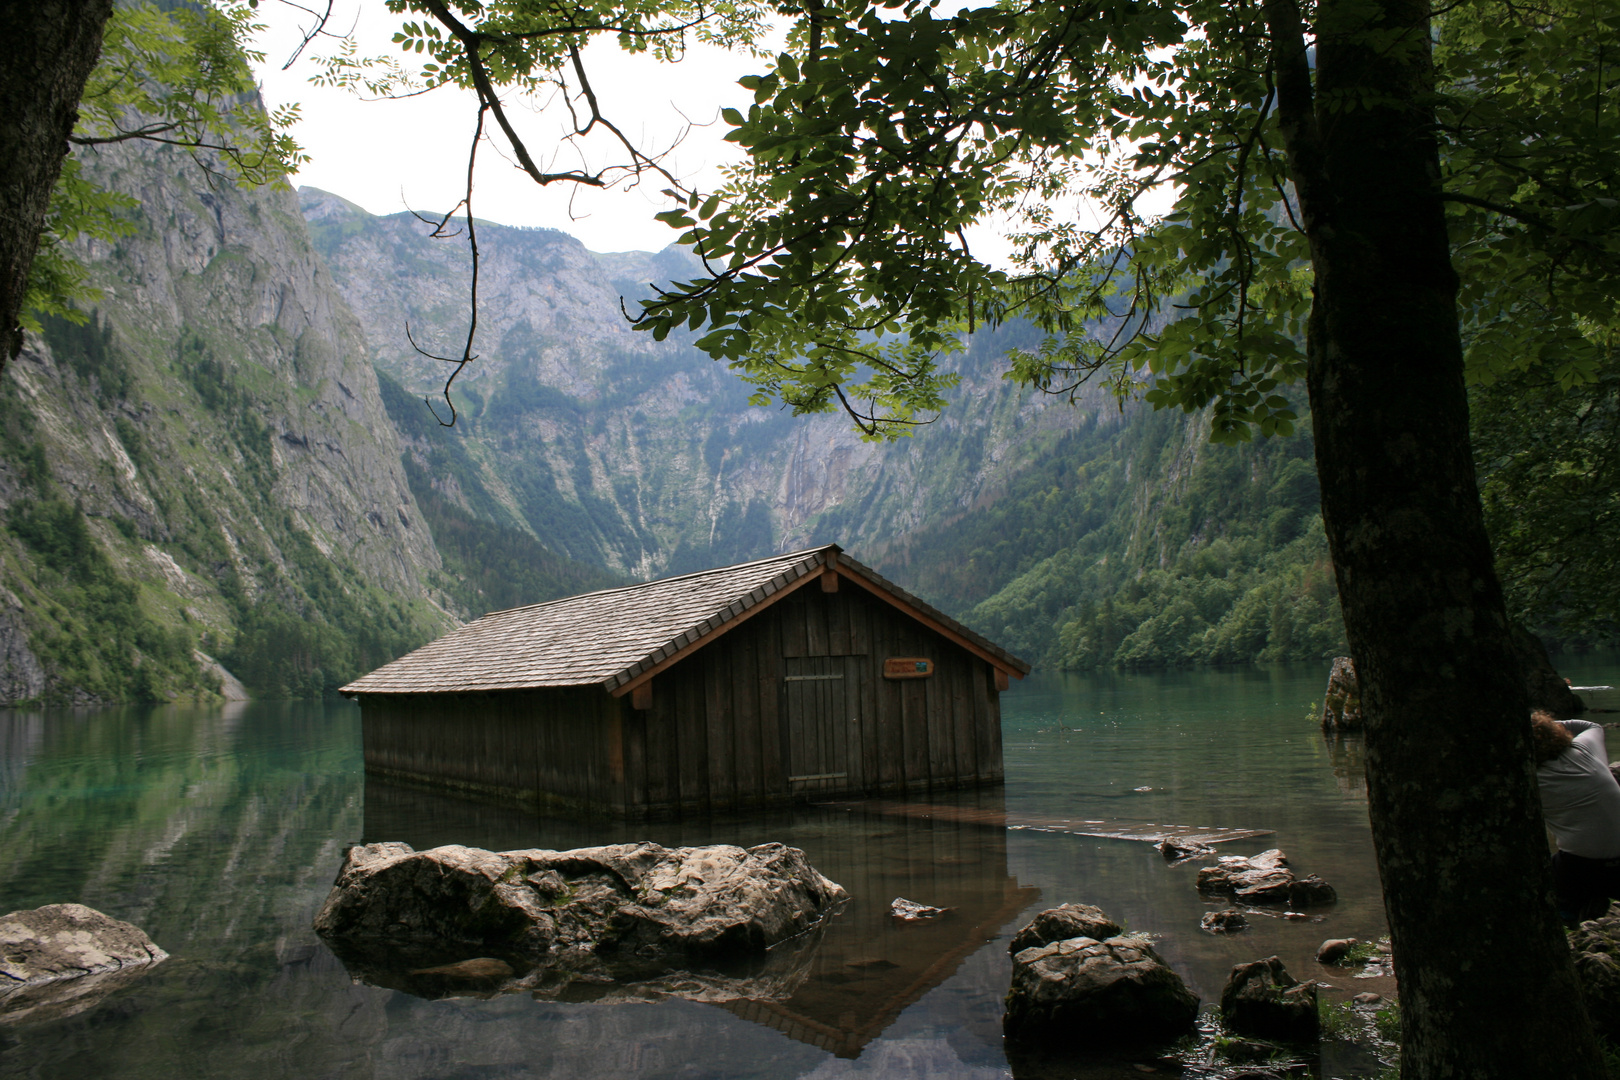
693, 922
60, 959
1263, 879
911, 911
1261, 999
1228, 921
1063, 922
1178, 850
1079, 990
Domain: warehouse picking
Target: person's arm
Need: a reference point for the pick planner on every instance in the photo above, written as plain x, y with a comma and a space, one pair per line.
1589, 737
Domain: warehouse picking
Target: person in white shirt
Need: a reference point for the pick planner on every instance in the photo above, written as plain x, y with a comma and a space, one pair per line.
1580, 801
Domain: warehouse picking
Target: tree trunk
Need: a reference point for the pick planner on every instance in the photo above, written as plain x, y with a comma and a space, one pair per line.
52, 45
1487, 987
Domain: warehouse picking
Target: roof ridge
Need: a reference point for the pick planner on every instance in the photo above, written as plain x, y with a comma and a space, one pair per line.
659, 581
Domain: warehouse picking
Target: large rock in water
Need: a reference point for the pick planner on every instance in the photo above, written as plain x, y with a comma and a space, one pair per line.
1074, 990
60, 959
624, 912
1263, 1000
1263, 879
1063, 922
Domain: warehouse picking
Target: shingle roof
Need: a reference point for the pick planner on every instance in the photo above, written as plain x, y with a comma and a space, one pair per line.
609, 638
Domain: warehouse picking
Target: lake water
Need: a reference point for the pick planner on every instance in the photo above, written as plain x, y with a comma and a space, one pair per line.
219, 831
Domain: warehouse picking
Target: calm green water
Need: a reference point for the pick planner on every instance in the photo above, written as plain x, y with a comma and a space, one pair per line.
218, 831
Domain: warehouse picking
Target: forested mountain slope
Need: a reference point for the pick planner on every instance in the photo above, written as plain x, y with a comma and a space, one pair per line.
207, 464
1151, 548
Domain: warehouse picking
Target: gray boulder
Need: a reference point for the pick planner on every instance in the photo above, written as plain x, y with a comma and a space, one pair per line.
1341, 701
621, 913
1063, 922
1262, 1000
60, 959
1263, 879
1081, 990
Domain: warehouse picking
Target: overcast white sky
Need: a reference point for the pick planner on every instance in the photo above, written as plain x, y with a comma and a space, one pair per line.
387, 155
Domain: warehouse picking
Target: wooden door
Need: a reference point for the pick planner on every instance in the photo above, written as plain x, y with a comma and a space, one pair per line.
816, 724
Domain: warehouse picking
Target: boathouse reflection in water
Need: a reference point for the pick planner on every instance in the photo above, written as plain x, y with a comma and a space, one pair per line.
868, 965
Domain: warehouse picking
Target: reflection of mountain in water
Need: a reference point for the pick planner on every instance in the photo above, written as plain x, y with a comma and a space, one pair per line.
868, 967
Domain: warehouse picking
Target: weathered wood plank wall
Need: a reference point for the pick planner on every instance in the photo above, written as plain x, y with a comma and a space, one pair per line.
798, 691
564, 747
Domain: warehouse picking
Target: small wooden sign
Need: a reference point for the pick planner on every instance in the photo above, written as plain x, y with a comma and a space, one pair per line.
907, 667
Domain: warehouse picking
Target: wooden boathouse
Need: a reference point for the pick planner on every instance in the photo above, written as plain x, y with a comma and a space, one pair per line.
802, 675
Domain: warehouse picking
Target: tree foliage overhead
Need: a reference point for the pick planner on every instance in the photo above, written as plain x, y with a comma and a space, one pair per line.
1549, 461
171, 73
838, 256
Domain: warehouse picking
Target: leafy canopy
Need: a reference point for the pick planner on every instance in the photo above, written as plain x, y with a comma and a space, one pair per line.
839, 272
837, 254
178, 77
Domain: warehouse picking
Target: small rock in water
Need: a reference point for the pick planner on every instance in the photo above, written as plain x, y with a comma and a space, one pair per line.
60, 959
911, 911
1262, 999
1264, 879
1367, 998
1296, 916
1063, 922
1083, 990
1224, 922
1334, 950
1176, 849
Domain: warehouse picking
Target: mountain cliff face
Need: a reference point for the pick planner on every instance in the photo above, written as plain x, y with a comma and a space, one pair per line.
641, 456
207, 463
1020, 513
